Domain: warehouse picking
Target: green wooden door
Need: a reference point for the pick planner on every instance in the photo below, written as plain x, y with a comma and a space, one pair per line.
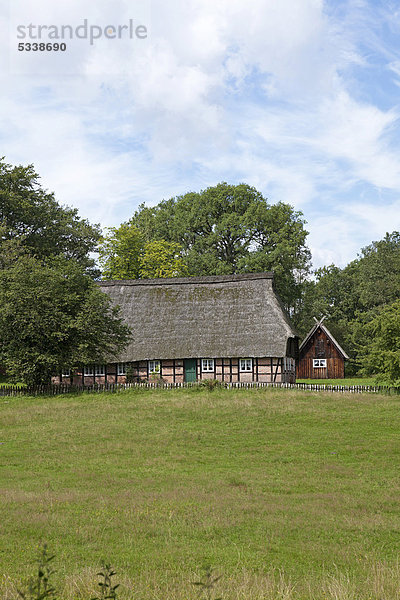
190, 369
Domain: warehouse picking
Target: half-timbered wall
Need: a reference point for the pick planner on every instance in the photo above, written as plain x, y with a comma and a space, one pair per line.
271, 370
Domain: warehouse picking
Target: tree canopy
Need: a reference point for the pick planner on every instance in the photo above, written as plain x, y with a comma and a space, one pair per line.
124, 254
162, 259
53, 315
350, 298
379, 350
228, 229
45, 228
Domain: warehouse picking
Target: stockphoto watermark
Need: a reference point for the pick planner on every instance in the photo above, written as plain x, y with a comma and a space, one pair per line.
34, 34
42, 43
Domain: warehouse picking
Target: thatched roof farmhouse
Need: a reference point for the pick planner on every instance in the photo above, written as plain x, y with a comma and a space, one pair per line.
228, 327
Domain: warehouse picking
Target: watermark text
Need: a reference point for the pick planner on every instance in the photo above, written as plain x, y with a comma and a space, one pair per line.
84, 31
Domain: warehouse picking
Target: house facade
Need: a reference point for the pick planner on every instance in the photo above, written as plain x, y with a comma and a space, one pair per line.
320, 355
230, 328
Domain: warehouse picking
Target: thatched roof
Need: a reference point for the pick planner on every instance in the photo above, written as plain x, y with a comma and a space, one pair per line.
318, 324
194, 317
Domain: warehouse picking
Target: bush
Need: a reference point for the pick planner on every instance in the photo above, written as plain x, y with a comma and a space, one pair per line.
211, 384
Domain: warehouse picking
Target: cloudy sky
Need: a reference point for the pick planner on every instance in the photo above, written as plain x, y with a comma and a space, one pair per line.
299, 98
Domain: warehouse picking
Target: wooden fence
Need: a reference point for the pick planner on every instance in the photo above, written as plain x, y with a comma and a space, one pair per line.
55, 390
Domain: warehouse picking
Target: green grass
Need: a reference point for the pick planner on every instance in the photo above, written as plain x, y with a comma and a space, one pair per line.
347, 381
6, 383
287, 494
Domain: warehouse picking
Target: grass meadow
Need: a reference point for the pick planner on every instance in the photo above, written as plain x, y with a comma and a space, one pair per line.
286, 494
350, 381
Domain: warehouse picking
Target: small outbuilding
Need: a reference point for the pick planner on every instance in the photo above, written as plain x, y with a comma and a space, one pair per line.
232, 328
320, 355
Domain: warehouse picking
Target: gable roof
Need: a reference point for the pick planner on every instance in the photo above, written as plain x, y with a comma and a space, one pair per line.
194, 317
318, 324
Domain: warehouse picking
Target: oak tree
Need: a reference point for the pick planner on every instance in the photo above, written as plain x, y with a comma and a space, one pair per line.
229, 229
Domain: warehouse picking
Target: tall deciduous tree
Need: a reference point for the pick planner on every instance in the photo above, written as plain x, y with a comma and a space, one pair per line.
120, 252
53, 316
162, 259
379, 351
124, 254
233, 229
45, 228
52, 313
379, 272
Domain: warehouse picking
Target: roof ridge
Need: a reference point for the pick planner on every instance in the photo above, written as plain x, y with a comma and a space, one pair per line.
327, 332
189, 280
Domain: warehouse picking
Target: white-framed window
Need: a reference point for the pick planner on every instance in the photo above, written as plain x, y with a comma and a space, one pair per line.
88, 371
319, 363
207, 365
66, 373
246, 364
154, 366
121, 368
100, 369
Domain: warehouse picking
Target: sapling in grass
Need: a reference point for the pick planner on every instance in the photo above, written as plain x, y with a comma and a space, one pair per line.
106, 584
207, 583
39, 587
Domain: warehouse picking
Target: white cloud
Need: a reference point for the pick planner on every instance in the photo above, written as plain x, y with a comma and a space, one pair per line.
333, 239
264, 93
338, 237
356, 132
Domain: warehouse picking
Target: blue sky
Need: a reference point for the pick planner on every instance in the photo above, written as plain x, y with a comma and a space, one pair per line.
299, 98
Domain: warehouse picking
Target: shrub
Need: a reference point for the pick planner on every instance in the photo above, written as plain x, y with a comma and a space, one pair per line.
211, 384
